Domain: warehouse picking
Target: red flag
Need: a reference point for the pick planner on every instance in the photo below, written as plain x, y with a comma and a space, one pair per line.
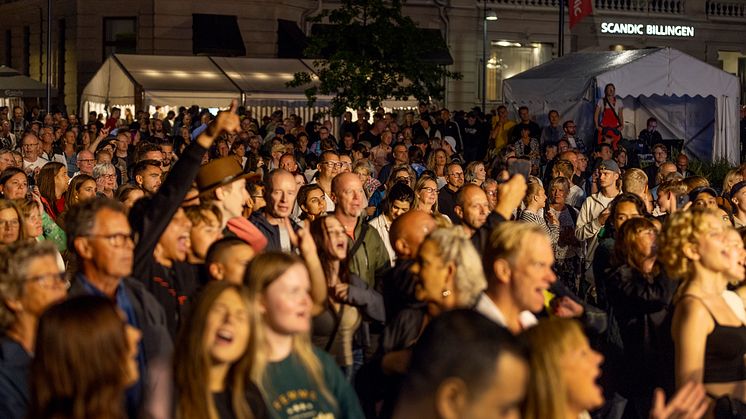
578, 10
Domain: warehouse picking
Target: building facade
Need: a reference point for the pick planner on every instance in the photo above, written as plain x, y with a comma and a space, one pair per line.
85, 32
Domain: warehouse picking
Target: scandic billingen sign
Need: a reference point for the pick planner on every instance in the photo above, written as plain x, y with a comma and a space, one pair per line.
653, 30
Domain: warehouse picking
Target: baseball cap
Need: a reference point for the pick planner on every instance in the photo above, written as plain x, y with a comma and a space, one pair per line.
609, 165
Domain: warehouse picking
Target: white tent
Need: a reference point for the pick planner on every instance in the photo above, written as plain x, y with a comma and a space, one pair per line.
145, 81
691, 99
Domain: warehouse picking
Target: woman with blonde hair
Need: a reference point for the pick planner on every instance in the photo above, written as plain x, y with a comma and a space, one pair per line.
426, 199
285, 362
564, 369
437, 162
709, 333
475, 173
731, 178
535, 200
214, 358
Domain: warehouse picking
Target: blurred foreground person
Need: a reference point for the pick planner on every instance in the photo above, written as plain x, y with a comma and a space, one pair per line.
464, 366
285, 362
211, 368
564, 370
86, 356
30, 281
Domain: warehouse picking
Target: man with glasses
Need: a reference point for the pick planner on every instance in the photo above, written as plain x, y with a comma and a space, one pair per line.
447, 197
31, 147
100, 236
85, 161
328, 166
571, 137
30, 281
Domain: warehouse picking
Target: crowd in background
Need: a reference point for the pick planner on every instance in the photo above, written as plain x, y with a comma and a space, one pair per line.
420, 263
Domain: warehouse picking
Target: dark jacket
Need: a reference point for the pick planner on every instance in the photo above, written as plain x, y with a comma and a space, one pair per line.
270, 231
151, 319
172, 287
640, 307
15, 367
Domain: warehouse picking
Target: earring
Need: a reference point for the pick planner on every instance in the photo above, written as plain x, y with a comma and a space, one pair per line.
446, 293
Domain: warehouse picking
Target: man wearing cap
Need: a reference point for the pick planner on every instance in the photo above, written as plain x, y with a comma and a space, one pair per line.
223, 183
161, 228
704, 197
738, 198
594, 212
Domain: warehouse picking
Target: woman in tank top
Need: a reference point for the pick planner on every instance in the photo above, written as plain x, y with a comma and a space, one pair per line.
709, 334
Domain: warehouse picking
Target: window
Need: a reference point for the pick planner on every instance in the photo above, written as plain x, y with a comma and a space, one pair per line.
120, 35
507, 58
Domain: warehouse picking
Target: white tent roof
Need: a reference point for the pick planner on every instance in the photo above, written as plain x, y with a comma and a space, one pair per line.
637, 73
15, 84
202, 80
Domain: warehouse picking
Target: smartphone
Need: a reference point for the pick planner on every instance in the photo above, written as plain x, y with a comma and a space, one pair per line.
521, 167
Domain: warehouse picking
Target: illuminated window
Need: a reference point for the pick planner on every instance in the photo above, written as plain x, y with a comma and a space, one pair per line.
508, 58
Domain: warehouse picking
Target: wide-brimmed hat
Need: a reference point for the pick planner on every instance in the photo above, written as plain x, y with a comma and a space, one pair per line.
221, 172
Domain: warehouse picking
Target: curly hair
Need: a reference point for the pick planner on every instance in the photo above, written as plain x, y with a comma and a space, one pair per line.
681, 228
456, 246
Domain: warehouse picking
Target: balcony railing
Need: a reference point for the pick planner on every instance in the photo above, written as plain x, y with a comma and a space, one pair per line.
725, 10
668, 7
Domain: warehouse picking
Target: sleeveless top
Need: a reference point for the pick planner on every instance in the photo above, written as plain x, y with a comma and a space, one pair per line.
724, 352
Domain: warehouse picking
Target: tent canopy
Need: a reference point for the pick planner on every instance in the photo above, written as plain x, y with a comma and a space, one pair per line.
150, 80
674, 87
15, 84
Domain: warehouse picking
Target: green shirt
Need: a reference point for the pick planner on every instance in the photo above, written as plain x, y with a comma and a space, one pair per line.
292, 394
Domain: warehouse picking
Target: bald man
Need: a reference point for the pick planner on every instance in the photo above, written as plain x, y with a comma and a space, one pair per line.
368, 257
407, 234
472, 208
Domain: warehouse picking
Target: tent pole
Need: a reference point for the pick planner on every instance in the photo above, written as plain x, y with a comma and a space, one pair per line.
561, 34
49, 55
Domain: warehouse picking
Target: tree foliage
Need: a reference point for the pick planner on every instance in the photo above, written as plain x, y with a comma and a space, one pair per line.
370, 52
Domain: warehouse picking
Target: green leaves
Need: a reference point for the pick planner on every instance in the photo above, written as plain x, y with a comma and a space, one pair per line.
368, 52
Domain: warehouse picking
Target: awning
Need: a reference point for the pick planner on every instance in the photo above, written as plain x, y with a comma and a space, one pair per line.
217, 35
15, 84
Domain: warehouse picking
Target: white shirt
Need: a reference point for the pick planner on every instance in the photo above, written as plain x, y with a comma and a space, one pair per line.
382, 225
38, 163
486, 307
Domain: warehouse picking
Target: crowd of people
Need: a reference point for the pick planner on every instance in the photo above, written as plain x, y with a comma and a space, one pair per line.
423, 264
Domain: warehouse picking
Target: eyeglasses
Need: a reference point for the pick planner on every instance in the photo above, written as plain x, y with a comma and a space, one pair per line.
429, 189
109, 176
86, 160
53, 280
116, 240
333, 163
10, 223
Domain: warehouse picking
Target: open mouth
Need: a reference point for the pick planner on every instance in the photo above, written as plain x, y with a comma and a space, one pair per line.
224, 337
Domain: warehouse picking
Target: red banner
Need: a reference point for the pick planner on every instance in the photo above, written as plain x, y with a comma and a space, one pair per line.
578, 10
